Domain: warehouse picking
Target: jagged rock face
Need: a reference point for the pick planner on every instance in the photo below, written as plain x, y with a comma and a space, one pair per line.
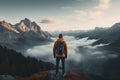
26, 25
116, 25
23, 33
8, 26
7, 32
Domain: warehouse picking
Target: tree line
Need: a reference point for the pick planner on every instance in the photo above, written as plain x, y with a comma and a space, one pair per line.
14, 63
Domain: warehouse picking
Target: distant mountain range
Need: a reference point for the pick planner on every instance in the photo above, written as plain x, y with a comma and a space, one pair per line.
104, 36
111, 37
25, 33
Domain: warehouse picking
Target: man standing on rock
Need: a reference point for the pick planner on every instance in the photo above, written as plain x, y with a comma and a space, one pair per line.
60, 53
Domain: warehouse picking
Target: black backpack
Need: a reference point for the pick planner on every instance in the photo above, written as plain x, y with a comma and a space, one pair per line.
60, 48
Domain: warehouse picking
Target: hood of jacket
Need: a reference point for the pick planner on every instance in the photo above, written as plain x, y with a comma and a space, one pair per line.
60, 39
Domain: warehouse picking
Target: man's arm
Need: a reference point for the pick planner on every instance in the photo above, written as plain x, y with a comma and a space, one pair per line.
54, 48
66, 50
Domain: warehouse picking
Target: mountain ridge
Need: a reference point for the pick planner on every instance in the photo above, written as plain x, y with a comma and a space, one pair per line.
25, 33
104, 35
14, 63
8, 26
26, 25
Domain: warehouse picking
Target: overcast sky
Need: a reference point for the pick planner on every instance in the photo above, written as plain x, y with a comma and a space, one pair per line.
60, 15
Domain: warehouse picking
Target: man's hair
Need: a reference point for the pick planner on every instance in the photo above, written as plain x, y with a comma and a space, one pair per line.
60, 36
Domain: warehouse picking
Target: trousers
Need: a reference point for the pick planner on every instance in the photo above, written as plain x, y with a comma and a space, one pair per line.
58, 59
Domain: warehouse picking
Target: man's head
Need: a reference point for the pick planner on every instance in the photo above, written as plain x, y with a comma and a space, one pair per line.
60, 36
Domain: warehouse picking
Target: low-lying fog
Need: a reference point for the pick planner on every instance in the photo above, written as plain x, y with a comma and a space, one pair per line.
81, 55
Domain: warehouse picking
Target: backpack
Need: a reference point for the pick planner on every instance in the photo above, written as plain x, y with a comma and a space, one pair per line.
60, 48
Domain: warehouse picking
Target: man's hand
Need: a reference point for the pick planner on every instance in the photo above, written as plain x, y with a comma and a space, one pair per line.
65, 56
54, 55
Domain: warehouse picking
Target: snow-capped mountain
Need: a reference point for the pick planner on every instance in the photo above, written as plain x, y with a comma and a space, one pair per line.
8, 26
26, 25
7, 32
25, 33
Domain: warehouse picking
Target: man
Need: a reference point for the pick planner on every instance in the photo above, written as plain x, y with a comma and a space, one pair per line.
60, 53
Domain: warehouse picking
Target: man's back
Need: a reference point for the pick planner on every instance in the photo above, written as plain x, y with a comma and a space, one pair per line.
55, 48
60, 53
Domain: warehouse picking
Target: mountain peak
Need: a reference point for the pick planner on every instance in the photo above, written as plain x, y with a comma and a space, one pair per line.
8, 26
26, 25
26, 19
2, 22
116, 25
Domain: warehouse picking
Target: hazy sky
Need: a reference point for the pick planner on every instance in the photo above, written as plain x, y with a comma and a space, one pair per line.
60, 15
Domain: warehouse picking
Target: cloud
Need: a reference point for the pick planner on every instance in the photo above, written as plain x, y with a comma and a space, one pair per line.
47, 49
87, 15
103, 5
48, 20
79, 51
96, 13
81, 18
80, 13
51, 20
